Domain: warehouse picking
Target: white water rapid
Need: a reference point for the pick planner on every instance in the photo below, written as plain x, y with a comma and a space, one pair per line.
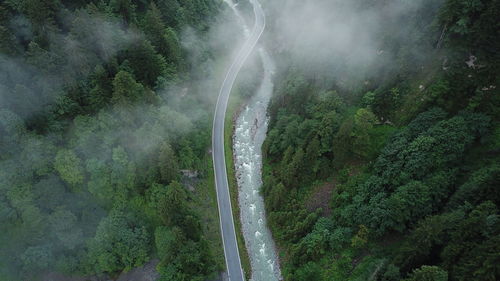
250, 132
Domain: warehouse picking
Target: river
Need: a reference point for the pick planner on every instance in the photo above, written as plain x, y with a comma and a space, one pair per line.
250, 132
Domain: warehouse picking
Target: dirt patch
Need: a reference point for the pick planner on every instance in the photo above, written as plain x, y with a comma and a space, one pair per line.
320, 198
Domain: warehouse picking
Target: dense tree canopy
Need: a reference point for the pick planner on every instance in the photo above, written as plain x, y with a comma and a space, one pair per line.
409, 163
386, 174
90, 148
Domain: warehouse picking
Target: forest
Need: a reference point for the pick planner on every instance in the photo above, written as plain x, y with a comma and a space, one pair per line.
390, 174
92, 143
382, 159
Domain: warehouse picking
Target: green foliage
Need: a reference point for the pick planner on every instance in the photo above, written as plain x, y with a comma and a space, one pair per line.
385, 101
277, 197
157, 196
148, 65
183, 251
37, 258
64, 226
174, 206
398, 192
313, 246
126, 91
472, 251
120, 242
172, 13
190, 261
168, 164
114, 180
100, 94
471, 22
308, 272
428, 273
69, 167
417, 190
364, 121
479, 187
87, 146
162, 38
125, 9
361, 238
411, 154
7, 41
99, 183
391, 273
41, 12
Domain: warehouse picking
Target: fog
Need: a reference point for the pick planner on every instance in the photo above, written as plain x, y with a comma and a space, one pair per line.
346, 40
29, 89
338, 40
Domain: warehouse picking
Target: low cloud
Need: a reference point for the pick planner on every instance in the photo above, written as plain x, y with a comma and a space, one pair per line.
29, 86
340, 37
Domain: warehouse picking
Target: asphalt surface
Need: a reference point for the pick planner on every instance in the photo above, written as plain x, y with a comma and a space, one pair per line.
231, 252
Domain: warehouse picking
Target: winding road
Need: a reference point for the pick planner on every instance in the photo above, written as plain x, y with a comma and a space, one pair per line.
231, 252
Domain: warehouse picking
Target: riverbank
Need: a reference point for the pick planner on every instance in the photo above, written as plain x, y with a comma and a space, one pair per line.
236, 102
251, 130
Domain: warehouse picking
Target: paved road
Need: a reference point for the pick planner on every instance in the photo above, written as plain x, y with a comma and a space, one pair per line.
231, 253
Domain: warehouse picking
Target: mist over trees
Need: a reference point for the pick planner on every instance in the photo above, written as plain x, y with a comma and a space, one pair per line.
90, 144
381, 160
382, 153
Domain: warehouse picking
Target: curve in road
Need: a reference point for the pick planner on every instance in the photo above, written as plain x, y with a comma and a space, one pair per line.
231, 252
